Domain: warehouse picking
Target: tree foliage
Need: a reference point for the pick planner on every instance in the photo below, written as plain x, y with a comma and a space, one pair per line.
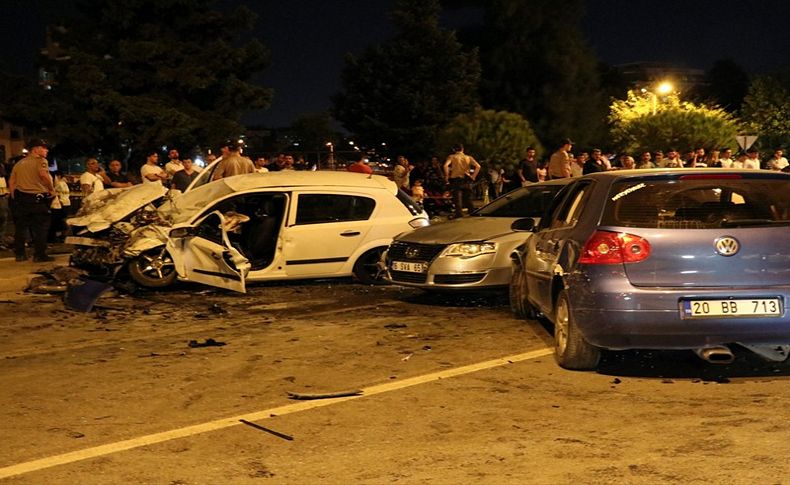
401, 91
766, 110
497, 138
725, 85
144, 73
646, 122
535, 62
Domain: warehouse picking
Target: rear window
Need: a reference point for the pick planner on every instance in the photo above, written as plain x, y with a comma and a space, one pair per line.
327, 208
527, 202
698, 203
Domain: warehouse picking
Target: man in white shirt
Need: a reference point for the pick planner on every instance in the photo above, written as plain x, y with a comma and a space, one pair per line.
752, 159
726, 161
174, 165
777, 162
151, 172
94, 178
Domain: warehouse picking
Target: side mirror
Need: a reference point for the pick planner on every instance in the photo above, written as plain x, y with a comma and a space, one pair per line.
525, 224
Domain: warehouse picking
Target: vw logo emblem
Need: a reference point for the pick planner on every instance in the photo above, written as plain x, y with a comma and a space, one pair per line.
727, 245
412, 252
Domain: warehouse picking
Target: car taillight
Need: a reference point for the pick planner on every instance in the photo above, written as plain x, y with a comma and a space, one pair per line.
606, 247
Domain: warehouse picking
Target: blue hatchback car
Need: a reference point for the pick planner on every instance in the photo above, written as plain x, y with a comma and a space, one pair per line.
662, 259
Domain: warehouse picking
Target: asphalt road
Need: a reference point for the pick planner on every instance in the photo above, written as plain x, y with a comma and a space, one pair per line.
191, 386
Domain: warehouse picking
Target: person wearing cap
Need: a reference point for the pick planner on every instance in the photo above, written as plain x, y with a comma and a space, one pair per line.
31, 191
560, 161
232, 163
151, 172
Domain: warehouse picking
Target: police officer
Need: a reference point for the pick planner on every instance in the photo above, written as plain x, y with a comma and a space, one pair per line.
31, 191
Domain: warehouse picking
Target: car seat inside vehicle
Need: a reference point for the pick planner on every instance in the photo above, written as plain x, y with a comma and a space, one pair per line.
257, 237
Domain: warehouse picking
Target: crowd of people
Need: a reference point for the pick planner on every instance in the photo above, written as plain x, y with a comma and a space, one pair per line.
39, 201
431, 179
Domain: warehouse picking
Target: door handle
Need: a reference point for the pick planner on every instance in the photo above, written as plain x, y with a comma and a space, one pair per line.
350, 233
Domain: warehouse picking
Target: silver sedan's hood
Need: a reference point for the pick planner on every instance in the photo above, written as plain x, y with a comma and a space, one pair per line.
461, 230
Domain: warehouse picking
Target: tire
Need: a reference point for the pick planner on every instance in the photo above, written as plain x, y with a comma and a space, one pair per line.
519, 301
366, 269
570, 349
153, 268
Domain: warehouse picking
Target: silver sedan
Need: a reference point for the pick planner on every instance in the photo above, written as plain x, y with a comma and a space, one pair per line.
471, 253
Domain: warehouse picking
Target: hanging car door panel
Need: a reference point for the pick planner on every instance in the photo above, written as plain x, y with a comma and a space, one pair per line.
210, 258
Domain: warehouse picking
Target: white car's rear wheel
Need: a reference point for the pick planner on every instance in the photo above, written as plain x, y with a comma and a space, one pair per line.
367, 269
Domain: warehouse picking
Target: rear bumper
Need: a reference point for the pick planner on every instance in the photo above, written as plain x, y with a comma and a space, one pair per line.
620, 316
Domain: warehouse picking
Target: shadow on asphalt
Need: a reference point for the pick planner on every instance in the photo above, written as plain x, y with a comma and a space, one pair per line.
684, 364
457, 299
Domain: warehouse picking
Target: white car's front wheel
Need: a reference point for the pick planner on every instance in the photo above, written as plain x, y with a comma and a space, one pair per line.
153, 268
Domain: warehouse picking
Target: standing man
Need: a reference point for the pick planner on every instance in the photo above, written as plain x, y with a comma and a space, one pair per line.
528, 168
118, 180
400, 174
232, 162
594, 164
151, 172
260, 164
456, 173
185, 176
359, 165
94, 178
726, 161
174, 163
777, 162
560, 161
752, 159
31, 192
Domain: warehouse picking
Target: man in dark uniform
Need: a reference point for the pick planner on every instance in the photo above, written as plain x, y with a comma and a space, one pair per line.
31, 191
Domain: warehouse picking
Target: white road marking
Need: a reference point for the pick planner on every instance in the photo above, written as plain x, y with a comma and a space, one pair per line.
155, 438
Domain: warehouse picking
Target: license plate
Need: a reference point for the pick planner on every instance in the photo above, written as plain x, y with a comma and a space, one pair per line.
742, 307
408, 267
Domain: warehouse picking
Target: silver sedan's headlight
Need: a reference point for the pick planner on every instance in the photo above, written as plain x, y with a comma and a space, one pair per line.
468, 250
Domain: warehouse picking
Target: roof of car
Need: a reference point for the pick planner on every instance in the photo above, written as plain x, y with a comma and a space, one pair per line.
685, 171
291, 178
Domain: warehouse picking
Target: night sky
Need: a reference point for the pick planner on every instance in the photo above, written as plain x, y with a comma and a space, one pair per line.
309, 38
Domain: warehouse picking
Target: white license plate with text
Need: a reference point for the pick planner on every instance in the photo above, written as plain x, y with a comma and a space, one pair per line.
742, 307
409, 267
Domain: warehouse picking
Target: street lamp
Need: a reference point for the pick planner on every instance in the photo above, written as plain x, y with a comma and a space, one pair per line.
664, 88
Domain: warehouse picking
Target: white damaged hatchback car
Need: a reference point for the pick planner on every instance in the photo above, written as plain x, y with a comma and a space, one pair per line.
255, 227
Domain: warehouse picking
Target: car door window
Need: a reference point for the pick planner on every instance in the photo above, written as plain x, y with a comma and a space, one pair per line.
324, 208
569, 212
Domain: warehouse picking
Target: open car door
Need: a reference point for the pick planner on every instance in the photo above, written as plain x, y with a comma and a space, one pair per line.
210, 257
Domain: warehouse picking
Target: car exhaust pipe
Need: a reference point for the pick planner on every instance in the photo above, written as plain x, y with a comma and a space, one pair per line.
716, 355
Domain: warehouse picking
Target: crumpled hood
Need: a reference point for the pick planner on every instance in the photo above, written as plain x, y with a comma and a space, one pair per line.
461, 230
102, 209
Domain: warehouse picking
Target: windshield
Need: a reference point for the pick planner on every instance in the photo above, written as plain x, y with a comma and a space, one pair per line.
699, 203
183, 207
530, 201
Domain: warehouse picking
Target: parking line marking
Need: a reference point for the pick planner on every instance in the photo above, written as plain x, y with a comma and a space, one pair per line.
218, 424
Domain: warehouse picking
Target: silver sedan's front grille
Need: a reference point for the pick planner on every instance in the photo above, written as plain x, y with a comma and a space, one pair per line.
406, 251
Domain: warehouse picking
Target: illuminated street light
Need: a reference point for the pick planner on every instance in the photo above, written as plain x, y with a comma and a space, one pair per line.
665, 88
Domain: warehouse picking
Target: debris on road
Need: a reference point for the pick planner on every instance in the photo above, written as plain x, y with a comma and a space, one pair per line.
53, 280
209, 342
263, 428
393, 326
82, 293
328, 395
